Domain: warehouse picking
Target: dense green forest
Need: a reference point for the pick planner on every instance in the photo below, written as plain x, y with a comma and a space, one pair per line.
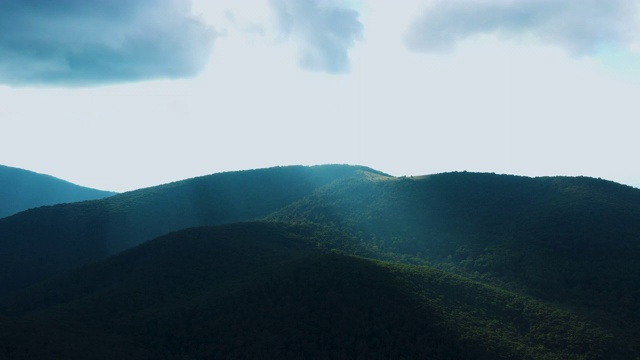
574, 241
21, 190
345, 262
266, 290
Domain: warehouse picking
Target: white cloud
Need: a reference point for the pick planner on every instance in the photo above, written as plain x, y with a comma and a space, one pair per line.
580, 27
323, 31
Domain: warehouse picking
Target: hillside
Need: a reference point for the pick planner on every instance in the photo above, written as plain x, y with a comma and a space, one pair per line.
265, 290
21, 190
574, 241
571, 242
42, 242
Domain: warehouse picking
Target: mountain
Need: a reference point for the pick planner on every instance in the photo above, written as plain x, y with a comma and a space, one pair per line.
573, 241
268, 290
21, 190
569, 244
42, 242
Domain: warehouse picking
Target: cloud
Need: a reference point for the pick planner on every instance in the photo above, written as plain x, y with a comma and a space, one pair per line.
580, 27
79, 42
324, 32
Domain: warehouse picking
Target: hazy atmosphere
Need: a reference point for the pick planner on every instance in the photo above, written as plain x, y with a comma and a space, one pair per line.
119, 95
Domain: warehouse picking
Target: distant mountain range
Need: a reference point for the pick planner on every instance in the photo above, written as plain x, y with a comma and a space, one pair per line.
22, 189
336, 262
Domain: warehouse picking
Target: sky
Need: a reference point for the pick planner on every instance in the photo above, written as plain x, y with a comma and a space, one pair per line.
125, 94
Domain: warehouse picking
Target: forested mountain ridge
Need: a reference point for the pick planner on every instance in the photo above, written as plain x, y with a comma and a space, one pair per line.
574, 241
22, 190
267, 290
46, 241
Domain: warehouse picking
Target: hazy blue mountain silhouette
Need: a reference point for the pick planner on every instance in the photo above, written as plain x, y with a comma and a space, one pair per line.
22, 189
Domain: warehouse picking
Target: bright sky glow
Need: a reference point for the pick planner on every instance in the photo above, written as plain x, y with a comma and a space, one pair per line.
408, 88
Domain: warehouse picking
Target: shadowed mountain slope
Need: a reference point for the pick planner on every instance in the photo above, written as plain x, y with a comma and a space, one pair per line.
49, 240
21, 190
264, 290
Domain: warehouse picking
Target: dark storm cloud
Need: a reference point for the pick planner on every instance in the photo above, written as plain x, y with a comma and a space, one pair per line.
82, 42
581, 27
324, 32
